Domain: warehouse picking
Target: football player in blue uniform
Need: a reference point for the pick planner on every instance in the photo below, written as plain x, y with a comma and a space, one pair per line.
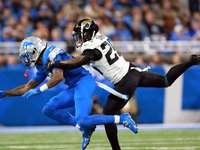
99, 52
81, 86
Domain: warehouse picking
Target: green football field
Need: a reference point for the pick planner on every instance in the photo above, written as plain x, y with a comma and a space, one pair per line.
144, 140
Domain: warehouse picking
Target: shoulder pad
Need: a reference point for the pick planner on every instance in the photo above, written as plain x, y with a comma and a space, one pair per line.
92, 44
54, 51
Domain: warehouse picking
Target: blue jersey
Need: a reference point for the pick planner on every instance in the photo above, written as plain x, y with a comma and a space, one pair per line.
54, 53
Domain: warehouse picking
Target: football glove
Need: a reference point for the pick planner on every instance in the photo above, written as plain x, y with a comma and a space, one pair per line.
2, 94
31, 92
48, 66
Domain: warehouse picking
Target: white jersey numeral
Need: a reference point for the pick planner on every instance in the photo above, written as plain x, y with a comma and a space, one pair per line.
111, 55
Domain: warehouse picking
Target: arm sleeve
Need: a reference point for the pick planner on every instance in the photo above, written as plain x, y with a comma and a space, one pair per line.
83, 61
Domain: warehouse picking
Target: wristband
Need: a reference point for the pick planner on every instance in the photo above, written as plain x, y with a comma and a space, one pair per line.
43, 87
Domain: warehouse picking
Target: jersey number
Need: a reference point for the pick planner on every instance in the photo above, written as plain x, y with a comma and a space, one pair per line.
111, 55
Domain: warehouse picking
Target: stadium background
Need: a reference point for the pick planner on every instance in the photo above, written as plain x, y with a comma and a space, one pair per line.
147, 32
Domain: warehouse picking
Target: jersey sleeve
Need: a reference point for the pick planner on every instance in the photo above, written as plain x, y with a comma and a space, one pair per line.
39, 77
93, 54
56, 54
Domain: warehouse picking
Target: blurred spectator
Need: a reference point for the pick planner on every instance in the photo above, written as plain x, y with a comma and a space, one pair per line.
185, 19
93, 10
19, 32
27, 25
6, 35
61, 20
99, 21
42, 31
176, 6
126, 5
13, 63
2, 61
15, 7
45, 14
68, 31
56, 35
109, 8
156, 61
194, 6
139, 29
169, 17
128, 18
196, 17
6, 15
107, 27
180, 34
195, 27
139, 61
176, 59
197, 37
2, 6
154, 5
28, 10
123, 32
154, 29
138, 3
143, 18
71, 11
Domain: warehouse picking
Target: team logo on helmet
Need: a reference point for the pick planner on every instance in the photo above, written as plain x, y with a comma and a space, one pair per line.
86, 24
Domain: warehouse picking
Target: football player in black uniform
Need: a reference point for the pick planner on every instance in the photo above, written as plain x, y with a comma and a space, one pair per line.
99, 52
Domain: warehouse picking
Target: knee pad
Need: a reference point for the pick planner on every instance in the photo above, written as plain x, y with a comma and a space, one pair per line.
48, 109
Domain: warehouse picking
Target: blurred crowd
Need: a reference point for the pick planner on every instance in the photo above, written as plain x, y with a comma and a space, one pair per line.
120, 20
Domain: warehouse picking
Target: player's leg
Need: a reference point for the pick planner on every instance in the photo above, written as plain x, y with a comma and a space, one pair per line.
151, 79
55, 107
111, 107
83, 93
114, 104
179, 69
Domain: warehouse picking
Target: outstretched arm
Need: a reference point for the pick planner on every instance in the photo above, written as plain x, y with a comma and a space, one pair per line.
20, 90
57, 77
68, 64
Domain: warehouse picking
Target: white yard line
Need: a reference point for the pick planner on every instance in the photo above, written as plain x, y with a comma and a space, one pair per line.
35, 129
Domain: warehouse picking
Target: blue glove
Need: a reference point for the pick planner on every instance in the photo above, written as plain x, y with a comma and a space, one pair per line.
31, 92
2, 94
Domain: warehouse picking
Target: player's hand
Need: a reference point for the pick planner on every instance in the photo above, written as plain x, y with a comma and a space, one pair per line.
2, 94
49, 66
31, 92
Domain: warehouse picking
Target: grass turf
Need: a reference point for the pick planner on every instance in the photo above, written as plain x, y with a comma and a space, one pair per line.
144, 140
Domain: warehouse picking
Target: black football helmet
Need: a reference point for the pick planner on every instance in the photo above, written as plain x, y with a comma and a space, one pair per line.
84, 30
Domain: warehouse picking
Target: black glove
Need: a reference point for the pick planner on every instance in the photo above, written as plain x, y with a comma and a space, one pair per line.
48, 66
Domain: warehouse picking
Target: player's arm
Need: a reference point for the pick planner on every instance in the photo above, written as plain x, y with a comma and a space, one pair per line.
69, 64
84, 58
20, 90
57, 77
